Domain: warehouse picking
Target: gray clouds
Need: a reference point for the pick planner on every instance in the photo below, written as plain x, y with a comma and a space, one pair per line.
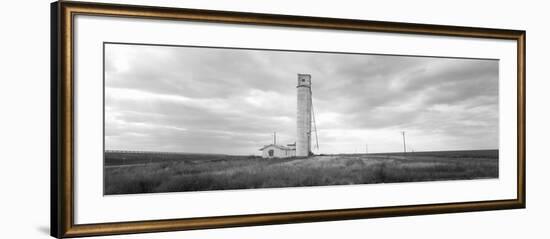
214, 100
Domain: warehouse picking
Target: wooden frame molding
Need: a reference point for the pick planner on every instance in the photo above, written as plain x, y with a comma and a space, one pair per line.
62, 118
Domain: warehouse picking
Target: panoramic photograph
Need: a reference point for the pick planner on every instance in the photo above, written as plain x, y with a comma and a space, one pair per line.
189, 118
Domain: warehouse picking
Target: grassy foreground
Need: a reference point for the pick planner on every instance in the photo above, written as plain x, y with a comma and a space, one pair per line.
128, 173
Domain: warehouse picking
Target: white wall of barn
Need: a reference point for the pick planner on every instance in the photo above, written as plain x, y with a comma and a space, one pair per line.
25, 126
278, 152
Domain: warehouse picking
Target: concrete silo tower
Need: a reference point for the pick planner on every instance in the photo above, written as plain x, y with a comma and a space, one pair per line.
303, 116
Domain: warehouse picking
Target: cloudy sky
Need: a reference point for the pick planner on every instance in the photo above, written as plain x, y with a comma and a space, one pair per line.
230, 101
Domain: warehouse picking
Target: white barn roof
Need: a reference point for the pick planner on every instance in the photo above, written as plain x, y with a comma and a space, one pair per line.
277, 146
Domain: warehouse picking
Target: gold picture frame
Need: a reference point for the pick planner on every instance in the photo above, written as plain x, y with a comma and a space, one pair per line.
62, 123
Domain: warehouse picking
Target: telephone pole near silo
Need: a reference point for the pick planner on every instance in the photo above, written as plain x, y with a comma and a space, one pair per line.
404, 145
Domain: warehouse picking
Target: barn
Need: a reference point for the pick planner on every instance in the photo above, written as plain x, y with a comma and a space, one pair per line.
278, 151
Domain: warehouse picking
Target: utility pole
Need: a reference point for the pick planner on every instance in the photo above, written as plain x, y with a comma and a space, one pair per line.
404, 146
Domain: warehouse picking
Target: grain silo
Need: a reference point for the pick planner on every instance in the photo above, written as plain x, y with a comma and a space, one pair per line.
303, 116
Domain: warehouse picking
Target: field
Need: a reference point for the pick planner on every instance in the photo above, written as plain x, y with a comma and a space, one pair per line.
140, 172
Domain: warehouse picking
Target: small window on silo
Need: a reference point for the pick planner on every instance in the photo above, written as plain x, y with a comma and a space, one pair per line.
270, 152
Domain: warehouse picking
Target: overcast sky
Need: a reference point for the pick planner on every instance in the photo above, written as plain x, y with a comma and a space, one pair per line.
229, 101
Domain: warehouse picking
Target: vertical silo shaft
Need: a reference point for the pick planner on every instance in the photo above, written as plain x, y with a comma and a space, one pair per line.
303, 116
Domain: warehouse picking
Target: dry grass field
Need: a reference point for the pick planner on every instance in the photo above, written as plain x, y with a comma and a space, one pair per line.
128, 173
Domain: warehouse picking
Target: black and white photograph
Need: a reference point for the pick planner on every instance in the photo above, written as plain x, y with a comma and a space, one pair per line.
196, 118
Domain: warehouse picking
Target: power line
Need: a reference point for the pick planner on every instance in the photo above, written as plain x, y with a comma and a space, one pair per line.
314, 123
